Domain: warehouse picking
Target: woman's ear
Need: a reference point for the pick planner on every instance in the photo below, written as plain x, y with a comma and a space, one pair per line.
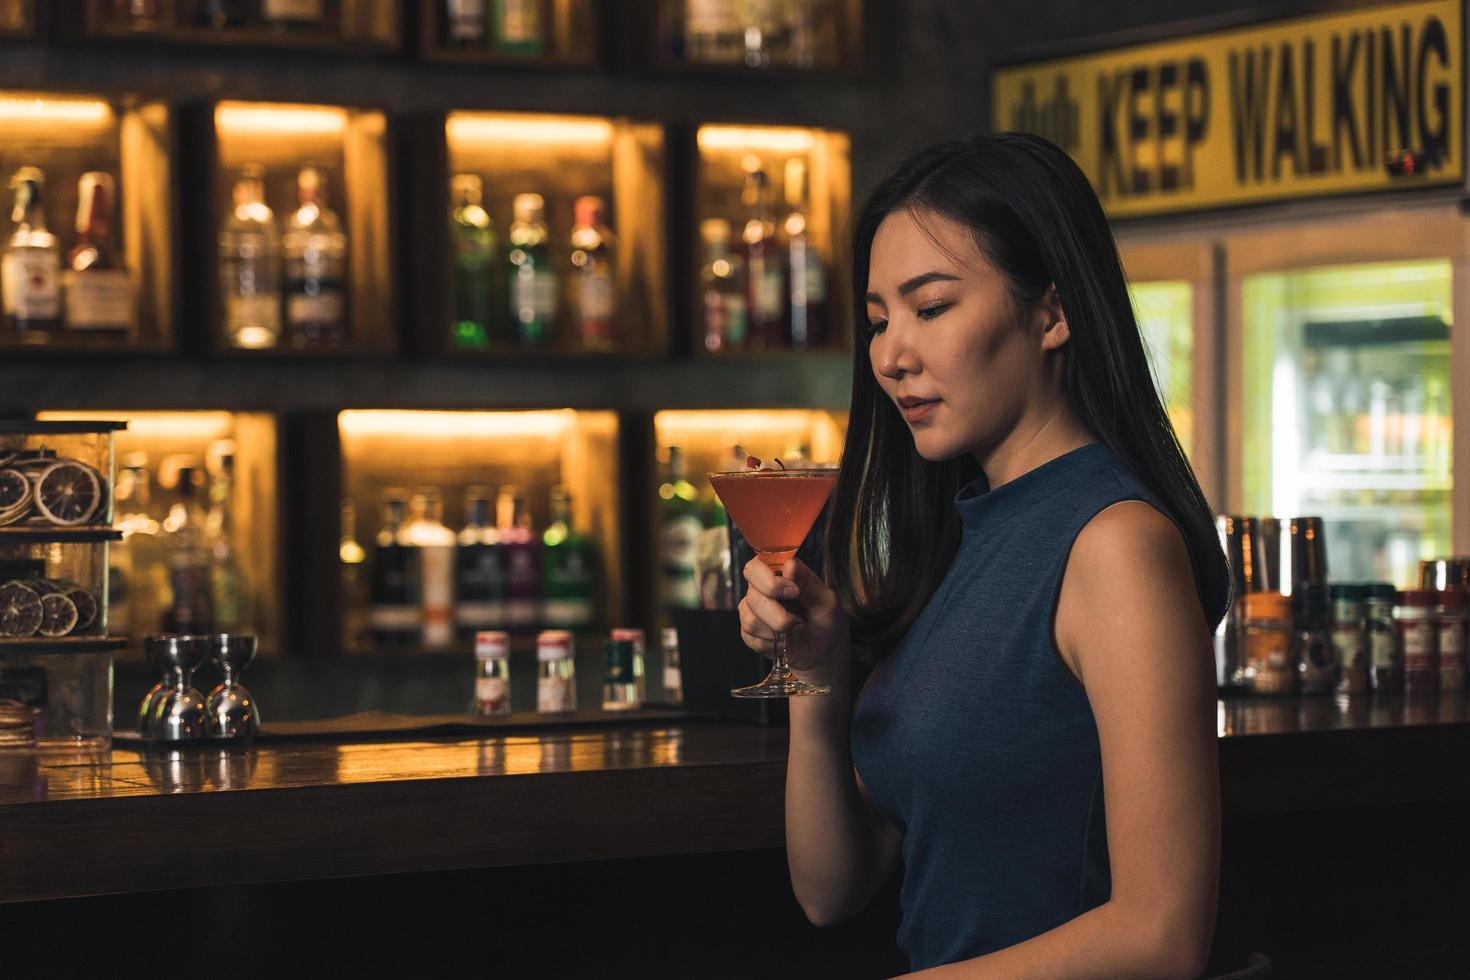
1054, 330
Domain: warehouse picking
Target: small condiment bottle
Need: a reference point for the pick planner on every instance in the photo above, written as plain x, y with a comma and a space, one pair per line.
619, 693
1316, 666
492, 674
1385, 657
673, 669
633, 635
1414, 618
1450, 620
1350, 638
556, 682
1268, 659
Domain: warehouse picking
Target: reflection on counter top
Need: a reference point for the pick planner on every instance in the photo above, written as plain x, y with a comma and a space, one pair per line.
1279, 716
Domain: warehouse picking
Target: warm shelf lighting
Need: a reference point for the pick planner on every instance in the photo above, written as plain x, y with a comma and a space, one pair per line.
254, 118
478, 128
762, 421
48, 111
769, 138
549, 424
204, 426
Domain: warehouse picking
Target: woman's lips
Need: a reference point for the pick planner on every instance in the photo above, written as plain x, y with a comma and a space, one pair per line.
917, 411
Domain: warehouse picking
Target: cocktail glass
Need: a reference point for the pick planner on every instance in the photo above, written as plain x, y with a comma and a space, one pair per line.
775, 509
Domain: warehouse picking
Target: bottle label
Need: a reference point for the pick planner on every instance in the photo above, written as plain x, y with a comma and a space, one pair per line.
438, 595
673, 679
395, 619
554, 694
491, 692
253, 312
1418, 645
765, 285
567, 613
466, 20
1382, 649
480, 615
324, 307
533, 294
101, 299
595, 297
681, 535
1451, 639
520, 21
291, 9
1347, 644
31, 280
816, 278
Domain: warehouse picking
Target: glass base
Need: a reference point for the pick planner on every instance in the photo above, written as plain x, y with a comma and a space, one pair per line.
779, 683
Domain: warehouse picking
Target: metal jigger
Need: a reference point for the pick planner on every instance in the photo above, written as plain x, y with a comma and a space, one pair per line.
232, 710
176, 713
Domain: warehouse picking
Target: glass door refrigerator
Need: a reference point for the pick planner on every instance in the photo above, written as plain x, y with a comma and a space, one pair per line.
1341, 388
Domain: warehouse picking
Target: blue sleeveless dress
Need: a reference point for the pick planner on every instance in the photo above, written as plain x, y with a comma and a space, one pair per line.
975, 740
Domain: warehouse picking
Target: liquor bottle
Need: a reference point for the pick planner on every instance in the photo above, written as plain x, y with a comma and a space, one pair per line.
99, 295
517, 27
133, 567
713, 33
567, 569
479, 572
221, 14
465, 22
395, 616
14, 15
250, 266
806, 278
619, 692
673, 672
492, 674
680, 523
532, 280
138, 15
809, 32
435, 544
229, 591
764, 32
593, 290
316, 260
30, 267
722, 289
474, 258
765, 290
189, 609
518, 544
294, 15
353, 557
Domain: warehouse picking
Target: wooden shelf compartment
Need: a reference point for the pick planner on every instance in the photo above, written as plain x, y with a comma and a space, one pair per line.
818, 37
568, 32
132, 139
162, 442
17, 18
562, 158
365, 26
455, 450
724, 154
350, 146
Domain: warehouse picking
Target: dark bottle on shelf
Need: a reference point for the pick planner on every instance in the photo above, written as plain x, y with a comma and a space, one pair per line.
681, 525
594, 303
474, 260
138, 15
99, 295
220, 14
532, 279
517, 27
189, 608
294, 15
30, 266
519, 546
479, 572
806, 278
465, 23
395, 614
315, 260
765, 283
722, 289
568, 591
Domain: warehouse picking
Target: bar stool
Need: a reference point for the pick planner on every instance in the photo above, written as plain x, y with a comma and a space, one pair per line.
1257, 965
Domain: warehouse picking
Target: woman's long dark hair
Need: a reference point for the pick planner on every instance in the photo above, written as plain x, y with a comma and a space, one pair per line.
894, 527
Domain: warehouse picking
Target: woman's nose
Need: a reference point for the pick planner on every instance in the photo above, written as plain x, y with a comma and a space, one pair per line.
892, 355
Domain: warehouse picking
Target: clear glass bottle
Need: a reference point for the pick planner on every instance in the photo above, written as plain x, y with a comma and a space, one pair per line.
315, 249
250, 266
1269, 668
517, 27
395, 613
188, 558
806, 277
556, 681
1316, 667
680, 522
435, 544
722, 289
568, 564
353, 557
763, 32
30, 266
673, 668
634, 635
594, 292
764, 276
464, 23
1350, 638
519, 550
532, 279
474, 261
134, 568
1385, 658
99, 294
492, 674
713, 33
229, 589
619, 693
479, 573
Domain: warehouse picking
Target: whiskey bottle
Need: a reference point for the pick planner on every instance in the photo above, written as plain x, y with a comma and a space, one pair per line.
395, 617
30, 266
765, 298
593, 290
316, 259
99, 294
250, 266
722, 289
479, 572
532, 280
806, 278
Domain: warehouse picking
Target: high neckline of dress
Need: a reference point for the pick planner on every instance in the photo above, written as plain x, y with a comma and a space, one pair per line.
979, 505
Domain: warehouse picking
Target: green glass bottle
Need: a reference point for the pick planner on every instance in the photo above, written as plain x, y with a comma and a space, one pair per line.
681, 525
567, 569
532, 281
517, 27
474, 258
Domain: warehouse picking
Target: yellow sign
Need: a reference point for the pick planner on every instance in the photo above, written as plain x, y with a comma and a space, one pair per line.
1371, 100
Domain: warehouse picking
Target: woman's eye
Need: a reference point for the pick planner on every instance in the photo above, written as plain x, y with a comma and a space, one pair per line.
877, 327
930, 312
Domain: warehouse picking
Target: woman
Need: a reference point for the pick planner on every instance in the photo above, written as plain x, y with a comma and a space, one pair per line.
1018, 540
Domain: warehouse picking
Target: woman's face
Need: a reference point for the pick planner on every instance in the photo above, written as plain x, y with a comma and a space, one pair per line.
948, 344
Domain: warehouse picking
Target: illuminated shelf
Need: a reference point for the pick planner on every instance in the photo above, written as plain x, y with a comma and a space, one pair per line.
370, 26
17, 18
831, 43
569, 38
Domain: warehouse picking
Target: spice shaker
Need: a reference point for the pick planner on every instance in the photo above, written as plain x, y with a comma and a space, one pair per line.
556, 683
492, 674
1418, 638
1268, 660
1385, 658
1316, 667
1350, 638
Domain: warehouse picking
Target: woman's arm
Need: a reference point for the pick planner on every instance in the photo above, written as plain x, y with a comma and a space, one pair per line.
1130, 626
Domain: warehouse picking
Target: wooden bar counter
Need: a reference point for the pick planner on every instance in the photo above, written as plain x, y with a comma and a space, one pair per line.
133, 819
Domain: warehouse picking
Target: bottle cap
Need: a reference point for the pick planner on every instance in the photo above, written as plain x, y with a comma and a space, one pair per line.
671, 638
588, 210
468, 186
715, 231
553, 645
492, 645
1267, 605
1349, 592
1382, 590
529, 207
627, 634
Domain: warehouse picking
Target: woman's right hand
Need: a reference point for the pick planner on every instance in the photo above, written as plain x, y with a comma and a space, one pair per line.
799, 604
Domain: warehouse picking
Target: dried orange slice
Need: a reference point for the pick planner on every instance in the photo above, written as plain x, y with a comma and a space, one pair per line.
58, 615
85, 602
20, 610
68, 493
